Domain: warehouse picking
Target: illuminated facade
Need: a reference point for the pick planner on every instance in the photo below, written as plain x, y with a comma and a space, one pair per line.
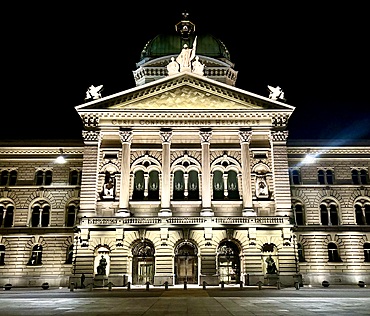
184, 178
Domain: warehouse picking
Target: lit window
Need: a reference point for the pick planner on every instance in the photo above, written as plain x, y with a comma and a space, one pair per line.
298, 213
2, 255
325, 176
367, 251
333, 253
43, 177
36, 256
295, 177
8, 178
6, 215
40, 216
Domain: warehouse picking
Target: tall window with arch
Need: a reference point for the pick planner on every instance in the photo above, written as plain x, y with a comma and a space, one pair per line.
218, 185
43, 177
36, 256
178, 185
232, 185
69, 255
2, 255
153, 185
6, 214
40, 215
367, 251
325, 176
71, 214
139, 186
298, 214
300, 251
329, 214
333, 253
193, 185
8, 178
360, 176
295, 176
75, 177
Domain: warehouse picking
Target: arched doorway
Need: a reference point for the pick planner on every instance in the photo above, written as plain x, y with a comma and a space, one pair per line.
228, 262
143, 262
186, 263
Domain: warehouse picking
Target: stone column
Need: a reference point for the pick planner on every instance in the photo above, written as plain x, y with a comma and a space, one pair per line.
89, 180
124, 196
280, 167
166, 135
205, 138
245, 138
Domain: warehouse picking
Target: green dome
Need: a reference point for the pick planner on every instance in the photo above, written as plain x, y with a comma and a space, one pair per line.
166, 44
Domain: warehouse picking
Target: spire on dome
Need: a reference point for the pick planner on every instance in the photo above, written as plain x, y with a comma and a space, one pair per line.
185, 27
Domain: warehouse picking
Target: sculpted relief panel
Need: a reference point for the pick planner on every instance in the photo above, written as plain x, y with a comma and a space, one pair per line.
186, 98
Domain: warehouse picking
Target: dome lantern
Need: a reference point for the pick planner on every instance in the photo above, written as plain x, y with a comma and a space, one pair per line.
185, 27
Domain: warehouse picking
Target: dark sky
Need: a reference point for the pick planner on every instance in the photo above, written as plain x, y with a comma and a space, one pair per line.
318, 55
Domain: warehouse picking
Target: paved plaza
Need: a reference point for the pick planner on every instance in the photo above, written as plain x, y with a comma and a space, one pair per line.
194, 301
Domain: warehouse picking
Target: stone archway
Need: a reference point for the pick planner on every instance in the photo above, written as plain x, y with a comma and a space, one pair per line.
186, 263
228, 262
143, 263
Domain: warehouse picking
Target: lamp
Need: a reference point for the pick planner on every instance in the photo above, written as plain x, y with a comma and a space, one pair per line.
60, 159
309, 158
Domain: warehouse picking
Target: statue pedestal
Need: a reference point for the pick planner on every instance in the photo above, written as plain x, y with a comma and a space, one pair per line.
100, 280
271, 279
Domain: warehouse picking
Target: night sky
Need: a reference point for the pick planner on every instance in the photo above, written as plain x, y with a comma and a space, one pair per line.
318, 55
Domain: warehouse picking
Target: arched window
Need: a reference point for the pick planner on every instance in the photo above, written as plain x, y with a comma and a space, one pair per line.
75, 177
69, 256
232, 185
71, 215
359, 176
367, 214
333, 215
36, 256
300, 253
43, 177
329, 213
178, 185
325, 176
324, 214
295, 176
153, 187
139, 186
6, 215
40, 216
8, 178
193, 185
218, 185
333, 253
360, 219
2, 255
364, 176
298, 213
367, 251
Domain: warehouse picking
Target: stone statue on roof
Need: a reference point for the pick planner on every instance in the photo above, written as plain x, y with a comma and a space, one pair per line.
276, 93
186, 56
94, 93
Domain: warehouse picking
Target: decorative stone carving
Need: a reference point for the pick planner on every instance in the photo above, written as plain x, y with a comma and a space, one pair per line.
166, 135
205, 135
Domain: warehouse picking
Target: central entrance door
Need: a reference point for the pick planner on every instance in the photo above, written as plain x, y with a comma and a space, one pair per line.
228, 263
143, 263
186, 264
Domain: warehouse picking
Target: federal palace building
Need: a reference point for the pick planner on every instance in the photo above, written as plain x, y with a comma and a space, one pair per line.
184, 178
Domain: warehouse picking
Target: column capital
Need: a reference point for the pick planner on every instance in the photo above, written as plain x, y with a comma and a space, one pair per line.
278, 136
245, 136
205, 135
166, 135
126, 135
91, 136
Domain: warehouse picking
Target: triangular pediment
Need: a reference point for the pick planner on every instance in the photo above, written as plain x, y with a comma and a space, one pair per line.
184, 91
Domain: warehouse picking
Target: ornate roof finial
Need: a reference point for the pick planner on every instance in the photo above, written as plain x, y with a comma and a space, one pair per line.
185, 27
